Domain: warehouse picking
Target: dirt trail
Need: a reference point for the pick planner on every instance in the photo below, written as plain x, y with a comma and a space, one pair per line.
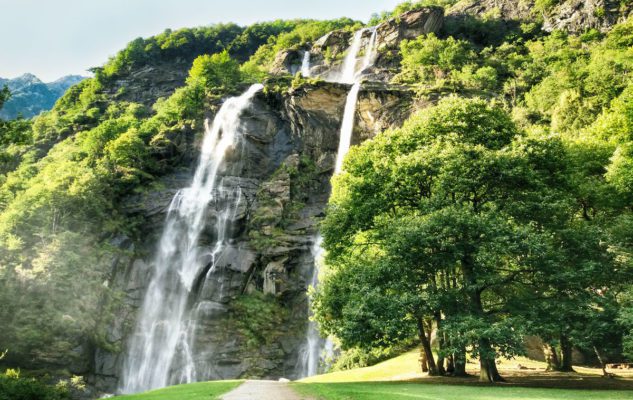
264, 390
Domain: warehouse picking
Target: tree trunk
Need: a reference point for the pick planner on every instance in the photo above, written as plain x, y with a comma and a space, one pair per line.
602, 364
426, 347
551, 357
450, 365
423, 361
460, 363
566, 354
488, 371
440, 341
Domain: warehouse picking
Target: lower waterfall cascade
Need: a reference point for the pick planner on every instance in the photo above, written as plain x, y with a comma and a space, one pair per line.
163, 332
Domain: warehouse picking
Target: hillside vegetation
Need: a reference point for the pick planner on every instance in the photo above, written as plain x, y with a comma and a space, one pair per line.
502, 208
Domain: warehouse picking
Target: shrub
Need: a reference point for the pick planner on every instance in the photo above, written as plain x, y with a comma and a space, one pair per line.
12, 387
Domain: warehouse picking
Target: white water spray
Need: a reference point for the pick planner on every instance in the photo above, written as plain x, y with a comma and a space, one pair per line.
347, 126
305, 64
163, 332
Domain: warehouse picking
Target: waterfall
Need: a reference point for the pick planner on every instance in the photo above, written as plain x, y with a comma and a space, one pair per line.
348, 69
305, 64
350, 73
163, 332
347, 127
313, 350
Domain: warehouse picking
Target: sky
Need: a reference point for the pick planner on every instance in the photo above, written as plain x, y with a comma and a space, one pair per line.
53, 38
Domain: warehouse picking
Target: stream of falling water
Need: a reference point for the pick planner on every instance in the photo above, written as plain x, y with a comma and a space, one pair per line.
315, 349
305, 64
163, 332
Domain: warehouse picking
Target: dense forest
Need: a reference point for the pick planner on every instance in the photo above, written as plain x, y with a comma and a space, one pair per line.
502, 208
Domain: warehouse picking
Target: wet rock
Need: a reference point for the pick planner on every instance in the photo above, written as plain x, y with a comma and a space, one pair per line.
274, 276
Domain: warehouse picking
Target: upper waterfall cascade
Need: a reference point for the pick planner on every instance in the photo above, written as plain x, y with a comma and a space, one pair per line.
316, 349
305, 64
164, 331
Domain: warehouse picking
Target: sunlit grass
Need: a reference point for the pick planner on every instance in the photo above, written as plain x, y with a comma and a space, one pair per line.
409, 391
193, 391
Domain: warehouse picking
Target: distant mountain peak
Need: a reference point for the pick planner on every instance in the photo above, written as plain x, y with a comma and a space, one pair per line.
27, 78
30, 96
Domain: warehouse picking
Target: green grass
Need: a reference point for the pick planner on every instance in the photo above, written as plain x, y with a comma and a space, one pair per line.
403, 367
411, 391
193, 391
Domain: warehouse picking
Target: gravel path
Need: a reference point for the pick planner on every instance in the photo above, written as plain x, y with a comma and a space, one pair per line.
263, 390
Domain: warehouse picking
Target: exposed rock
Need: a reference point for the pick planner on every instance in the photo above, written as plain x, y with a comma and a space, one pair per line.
577, 16
504, 9
328, 51
151, 82
274, 276
409, 25
381, 107
336, 42
574, 16
287, 62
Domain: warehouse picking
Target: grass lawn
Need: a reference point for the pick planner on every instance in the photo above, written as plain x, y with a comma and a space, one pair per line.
403, 367
192, 391
410, 391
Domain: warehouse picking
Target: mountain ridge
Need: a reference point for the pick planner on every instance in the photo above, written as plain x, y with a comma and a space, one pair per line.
30, 95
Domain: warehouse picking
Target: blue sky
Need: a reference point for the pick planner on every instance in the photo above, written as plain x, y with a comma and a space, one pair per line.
52, 38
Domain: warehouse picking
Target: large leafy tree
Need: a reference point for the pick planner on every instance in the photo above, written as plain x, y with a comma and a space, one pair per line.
445, 202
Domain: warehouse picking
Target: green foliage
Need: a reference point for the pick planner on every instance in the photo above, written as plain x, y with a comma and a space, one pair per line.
304, 32
258, 318
257, 35
544, 6
459, 215
431, 60
215, 71
13, 387
358, 357
621, 37
169, 45
620, 172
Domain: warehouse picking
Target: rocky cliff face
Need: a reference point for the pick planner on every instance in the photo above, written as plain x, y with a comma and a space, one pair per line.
327, 53
251, 310
574, 16
282, 173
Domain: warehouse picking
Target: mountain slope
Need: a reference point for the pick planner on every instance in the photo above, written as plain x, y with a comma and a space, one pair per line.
30, 96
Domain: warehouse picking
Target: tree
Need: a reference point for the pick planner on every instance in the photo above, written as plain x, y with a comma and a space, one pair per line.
216, 71
444, 201
5, 94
